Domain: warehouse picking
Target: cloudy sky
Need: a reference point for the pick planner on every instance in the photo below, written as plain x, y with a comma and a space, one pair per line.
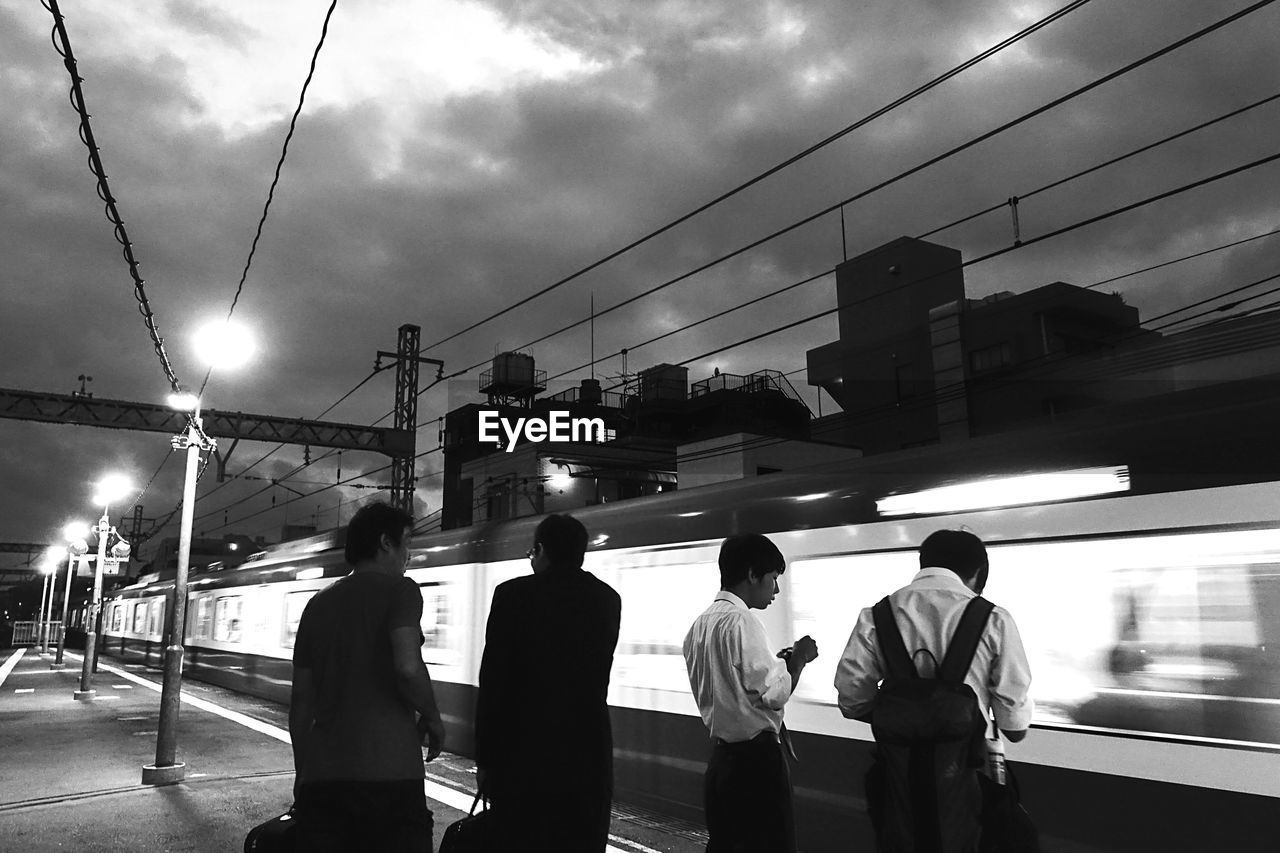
455, 156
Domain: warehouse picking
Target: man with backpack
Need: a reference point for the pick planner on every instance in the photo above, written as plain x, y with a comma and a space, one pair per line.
922, 667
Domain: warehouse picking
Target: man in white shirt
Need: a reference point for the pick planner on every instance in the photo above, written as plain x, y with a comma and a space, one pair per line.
953, 570
741, 688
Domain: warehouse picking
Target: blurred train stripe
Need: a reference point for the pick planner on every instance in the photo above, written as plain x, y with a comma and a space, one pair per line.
451, 797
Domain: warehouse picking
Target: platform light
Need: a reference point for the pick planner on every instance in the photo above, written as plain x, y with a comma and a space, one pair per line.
562, 479
1009, 491
74, 531
221, 345
183, 401
224, 344
110, 489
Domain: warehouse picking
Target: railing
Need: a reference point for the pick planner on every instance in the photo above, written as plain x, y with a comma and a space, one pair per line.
764, 380
28, 633
608, 399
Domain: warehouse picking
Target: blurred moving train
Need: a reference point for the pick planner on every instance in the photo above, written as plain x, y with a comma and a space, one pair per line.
1151, 614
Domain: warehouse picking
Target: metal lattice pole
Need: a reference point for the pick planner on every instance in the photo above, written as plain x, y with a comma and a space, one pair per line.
408, 346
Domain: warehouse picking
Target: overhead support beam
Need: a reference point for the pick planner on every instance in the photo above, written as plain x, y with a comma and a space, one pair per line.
22, 548
149, 417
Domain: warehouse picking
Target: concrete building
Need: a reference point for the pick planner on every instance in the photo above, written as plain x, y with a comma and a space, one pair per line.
917, 362
645, 430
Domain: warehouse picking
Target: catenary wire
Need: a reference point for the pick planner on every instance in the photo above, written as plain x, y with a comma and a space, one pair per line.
998, 252
62, 44
1151, 57
284, 151
1053, 184
988, 53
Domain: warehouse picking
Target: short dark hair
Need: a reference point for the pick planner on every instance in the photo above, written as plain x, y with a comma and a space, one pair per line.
563, 540
957, 550
371, 521
748, 554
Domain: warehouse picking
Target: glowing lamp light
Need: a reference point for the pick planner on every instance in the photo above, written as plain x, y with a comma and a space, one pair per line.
1009, 491
112, 489
74, 531
52, 558
224, 344
562, 479
184, 401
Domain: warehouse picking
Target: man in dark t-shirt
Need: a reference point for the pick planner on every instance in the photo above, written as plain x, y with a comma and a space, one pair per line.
358, 683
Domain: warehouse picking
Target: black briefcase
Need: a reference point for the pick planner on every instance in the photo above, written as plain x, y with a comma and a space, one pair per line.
471, 834
278, 835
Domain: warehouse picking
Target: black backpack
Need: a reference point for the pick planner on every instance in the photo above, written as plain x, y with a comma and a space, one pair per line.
923, 791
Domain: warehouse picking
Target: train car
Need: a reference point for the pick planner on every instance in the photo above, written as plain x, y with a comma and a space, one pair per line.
1150, 609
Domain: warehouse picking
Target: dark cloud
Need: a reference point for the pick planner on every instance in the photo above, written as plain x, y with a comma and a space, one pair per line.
440, 211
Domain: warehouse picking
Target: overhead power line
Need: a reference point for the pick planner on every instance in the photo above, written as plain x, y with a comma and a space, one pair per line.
1151, 57
62, 44
1053, 184
986, 54
284, 151
998, 252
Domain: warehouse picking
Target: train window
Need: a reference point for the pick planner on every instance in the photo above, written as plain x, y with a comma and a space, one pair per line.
226, 618
659, 605
826, 595
204, 617
139, 617
441, 634
155, 618
294, 604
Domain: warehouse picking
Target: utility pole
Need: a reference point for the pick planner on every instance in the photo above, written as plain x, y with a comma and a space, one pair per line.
407, 358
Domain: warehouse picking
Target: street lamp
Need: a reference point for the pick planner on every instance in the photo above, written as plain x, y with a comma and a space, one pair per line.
48, 567
220, 345
111, 489
74, 533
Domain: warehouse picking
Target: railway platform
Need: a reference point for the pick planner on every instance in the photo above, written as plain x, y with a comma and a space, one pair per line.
70, 771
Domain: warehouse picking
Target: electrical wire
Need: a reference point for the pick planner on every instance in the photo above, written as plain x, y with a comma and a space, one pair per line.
998, 252
1017, 244
1151, 57
986, 54
62, 44
284, 151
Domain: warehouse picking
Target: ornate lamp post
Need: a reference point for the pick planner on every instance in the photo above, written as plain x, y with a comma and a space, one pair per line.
74, 533
110, 490
48, 567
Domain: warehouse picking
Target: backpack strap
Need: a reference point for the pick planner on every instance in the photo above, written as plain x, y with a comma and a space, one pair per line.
964, 642
897, 662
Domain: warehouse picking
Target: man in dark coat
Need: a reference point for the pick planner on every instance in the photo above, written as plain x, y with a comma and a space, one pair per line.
544, 746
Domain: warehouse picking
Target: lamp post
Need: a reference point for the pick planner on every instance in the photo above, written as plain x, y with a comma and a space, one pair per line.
110, 490
76, 546
47, 568
223, 345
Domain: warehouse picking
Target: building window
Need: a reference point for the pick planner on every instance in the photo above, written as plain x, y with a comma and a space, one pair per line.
990, 358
